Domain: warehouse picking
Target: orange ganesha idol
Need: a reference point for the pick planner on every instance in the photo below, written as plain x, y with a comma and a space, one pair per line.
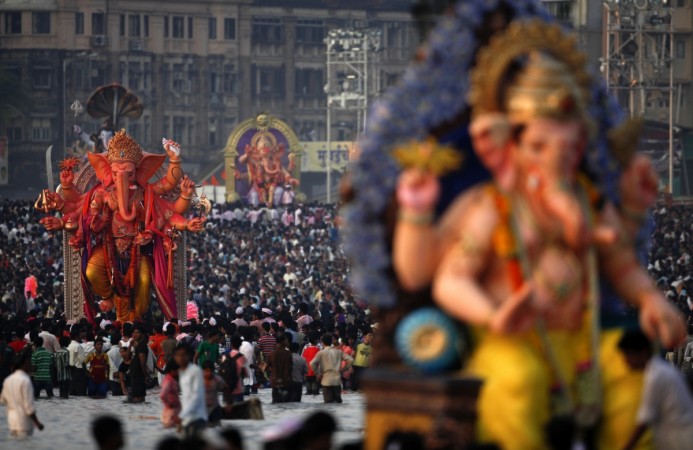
125, 226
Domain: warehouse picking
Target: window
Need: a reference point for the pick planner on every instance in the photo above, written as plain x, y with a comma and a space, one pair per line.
178, 128
681, 3
190, 27
180, 78
13, 22
146, 26
134, 75
97, 75
177, 27
268, 81
98, 24
41, 130
14, 133
309, 82
147, 138
134, 25
191, 130
561, 10
41, 78
79, 23
267, 31
230, 81
310, 31
41, 22
680, 49
214, 83
165, 26
122, 25
134, 130
229, 29
212, 28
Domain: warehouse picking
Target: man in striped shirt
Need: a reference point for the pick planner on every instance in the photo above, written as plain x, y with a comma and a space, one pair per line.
42, 361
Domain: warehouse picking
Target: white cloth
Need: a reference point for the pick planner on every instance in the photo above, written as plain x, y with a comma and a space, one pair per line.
18, 395
249, 353
114, 361
76, 353
666, 406
50, 342
192, 400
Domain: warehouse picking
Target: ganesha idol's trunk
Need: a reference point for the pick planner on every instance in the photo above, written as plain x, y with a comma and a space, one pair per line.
123, 197
565, 207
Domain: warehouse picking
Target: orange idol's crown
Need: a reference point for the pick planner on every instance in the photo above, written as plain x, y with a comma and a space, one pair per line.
123, 148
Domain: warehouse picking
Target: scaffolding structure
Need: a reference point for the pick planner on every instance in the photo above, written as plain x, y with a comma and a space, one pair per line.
639, 69
353, 79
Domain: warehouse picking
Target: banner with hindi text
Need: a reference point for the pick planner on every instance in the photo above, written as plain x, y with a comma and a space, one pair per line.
314, 157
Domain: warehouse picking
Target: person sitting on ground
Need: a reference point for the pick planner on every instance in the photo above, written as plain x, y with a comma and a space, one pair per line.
108, 433
666, 405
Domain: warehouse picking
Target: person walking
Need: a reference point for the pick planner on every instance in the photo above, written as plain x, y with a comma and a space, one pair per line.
327, 365
170, 396
138, 367
78, 376
193, 414
299, 369
18, 394
114, 360
309, 352
62, 367
280, 362
42, 362
361, 360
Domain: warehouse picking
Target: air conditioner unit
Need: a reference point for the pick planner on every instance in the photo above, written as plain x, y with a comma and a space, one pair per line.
137, 45
99, 41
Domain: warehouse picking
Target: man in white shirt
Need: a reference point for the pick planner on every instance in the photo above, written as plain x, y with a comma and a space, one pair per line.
193, 413
50, 342
18, 395
114, 361
666, 405
78, 385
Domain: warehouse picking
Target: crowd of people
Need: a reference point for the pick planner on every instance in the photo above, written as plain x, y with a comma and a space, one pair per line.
272, 309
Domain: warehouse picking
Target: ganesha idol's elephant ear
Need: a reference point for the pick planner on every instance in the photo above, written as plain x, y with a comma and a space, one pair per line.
148, 167
102, 167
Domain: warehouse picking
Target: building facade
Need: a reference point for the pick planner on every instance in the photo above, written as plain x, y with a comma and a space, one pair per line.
199, 67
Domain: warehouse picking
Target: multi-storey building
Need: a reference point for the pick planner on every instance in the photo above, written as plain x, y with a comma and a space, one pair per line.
199, 67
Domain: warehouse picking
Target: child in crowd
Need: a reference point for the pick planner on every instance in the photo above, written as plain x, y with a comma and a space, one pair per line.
97, 371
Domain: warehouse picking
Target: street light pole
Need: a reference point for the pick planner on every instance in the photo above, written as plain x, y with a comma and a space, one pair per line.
328, 179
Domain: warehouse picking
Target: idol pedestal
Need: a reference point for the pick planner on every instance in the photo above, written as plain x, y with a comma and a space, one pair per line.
439, 408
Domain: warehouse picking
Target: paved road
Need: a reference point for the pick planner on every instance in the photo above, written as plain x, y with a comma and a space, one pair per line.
67, 421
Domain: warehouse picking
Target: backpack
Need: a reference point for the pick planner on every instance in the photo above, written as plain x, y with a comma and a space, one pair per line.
229, 371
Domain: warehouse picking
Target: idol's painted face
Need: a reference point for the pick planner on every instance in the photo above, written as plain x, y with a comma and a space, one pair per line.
551, 149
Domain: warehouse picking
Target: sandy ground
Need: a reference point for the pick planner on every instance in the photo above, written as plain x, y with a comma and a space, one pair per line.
67, 421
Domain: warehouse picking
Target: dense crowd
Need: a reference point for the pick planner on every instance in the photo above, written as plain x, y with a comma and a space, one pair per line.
269, 303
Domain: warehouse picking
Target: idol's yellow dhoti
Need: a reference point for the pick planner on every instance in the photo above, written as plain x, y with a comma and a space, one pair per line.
100, 283
514, 403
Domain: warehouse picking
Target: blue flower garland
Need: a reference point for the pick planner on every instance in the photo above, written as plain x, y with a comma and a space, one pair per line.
430, 93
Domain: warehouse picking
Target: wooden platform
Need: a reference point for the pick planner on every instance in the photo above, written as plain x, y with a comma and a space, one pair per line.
438, 407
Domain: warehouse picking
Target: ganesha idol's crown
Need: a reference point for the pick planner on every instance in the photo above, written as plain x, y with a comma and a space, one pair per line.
123, 148
544, 88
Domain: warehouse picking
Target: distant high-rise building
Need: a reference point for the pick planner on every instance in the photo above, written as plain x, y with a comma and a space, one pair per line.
200, 67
